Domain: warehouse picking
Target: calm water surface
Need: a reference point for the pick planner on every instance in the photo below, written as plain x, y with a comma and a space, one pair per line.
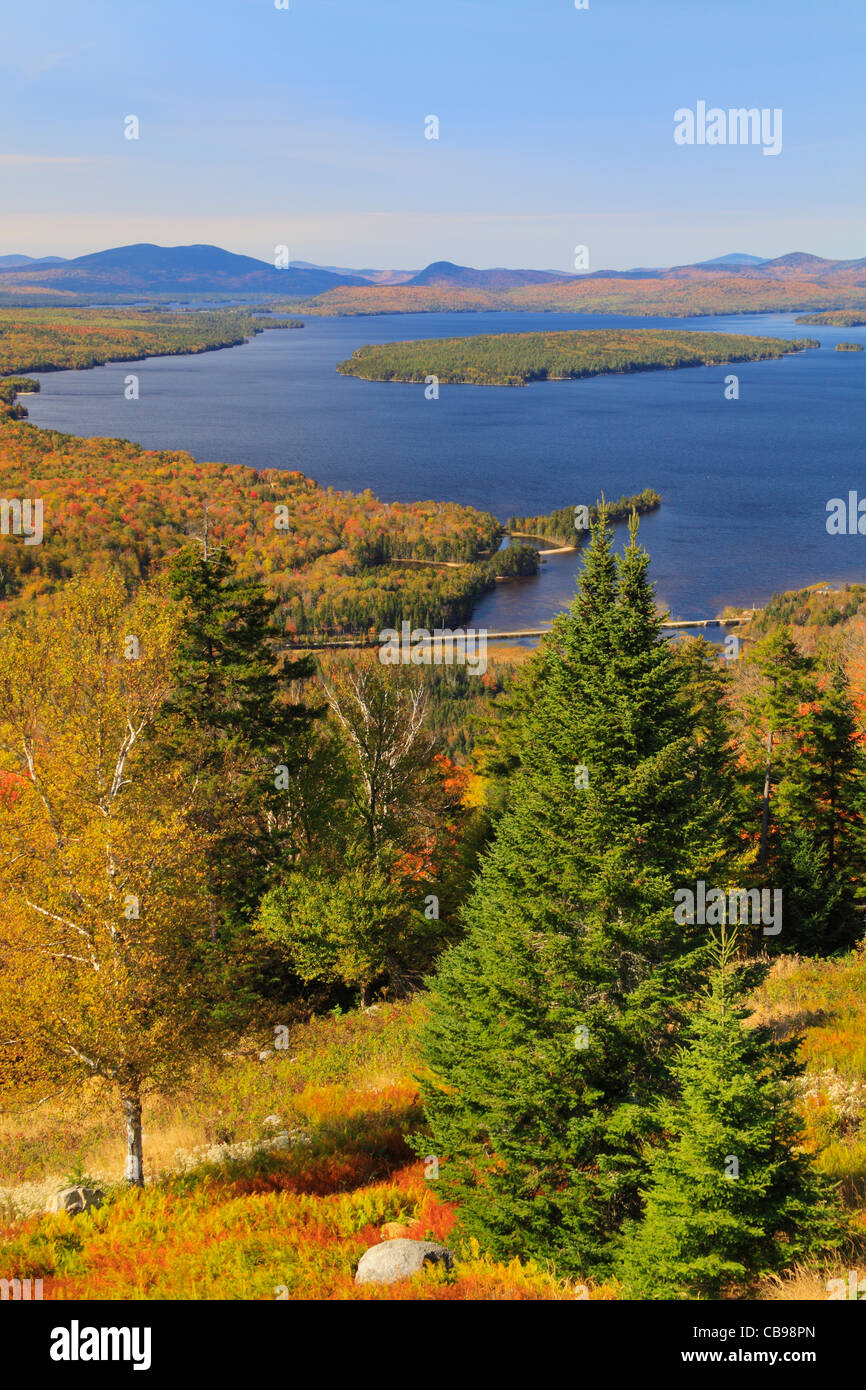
744, 483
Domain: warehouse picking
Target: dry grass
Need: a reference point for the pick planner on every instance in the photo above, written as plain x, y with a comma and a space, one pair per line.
223, 1102
224, 1216
801, 1284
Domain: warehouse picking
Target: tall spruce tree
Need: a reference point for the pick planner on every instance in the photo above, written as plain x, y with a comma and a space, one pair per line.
783, 685
820, 810
829, 772
804, 761
549, 1024
231, 721
731, 1196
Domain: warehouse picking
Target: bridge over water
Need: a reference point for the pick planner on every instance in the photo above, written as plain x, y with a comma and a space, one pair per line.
316, 641
493, 636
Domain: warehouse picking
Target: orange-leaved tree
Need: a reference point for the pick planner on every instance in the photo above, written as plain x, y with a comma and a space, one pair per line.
107, 968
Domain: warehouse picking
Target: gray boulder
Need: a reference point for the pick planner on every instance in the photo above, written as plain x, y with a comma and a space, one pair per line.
399, 1259
75, 1200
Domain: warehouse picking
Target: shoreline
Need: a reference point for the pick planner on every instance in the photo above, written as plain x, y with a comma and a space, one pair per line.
783, 585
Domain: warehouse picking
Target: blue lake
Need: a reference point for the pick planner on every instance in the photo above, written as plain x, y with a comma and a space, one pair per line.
744, 483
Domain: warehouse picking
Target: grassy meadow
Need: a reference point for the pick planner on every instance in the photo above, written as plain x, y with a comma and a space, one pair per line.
226, 1215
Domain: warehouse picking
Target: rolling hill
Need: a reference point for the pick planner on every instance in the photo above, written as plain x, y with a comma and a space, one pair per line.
145, 269
736, 283
465, 277
796, 282
28, 262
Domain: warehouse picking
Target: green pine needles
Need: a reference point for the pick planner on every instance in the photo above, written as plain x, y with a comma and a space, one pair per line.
552, 1023
730, 1195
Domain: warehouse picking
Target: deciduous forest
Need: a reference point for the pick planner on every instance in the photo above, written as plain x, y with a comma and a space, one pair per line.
44, 340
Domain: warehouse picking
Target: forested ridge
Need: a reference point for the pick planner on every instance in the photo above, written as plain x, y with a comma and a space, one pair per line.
43, 340
514, 359
841, 318
668, 296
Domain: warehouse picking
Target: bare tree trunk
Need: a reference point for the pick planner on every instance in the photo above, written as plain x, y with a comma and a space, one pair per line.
134, 1173
765, 814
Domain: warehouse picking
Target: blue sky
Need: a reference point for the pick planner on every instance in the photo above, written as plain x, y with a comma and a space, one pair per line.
305, 127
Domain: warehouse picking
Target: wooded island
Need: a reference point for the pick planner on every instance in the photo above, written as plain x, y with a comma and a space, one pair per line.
514, 359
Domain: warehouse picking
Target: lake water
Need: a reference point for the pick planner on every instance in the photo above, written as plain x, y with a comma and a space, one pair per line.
744, 483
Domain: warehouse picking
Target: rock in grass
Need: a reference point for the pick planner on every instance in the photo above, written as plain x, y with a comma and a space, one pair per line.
75, 1200
400, 1259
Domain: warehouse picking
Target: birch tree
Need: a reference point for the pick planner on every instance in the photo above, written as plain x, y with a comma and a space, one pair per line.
381, 716
107, 973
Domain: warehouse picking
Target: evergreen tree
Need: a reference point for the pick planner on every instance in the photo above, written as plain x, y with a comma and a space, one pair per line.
231, 722
819, 910
773, 707
819, 807
801, 745
731, 1196
549, 1024
829, 771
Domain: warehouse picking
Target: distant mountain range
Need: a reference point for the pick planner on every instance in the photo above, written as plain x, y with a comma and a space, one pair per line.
463, 276
13, 262
797, 264
144, 270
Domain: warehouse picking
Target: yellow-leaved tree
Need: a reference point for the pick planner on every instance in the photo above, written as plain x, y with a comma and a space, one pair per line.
107, 969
